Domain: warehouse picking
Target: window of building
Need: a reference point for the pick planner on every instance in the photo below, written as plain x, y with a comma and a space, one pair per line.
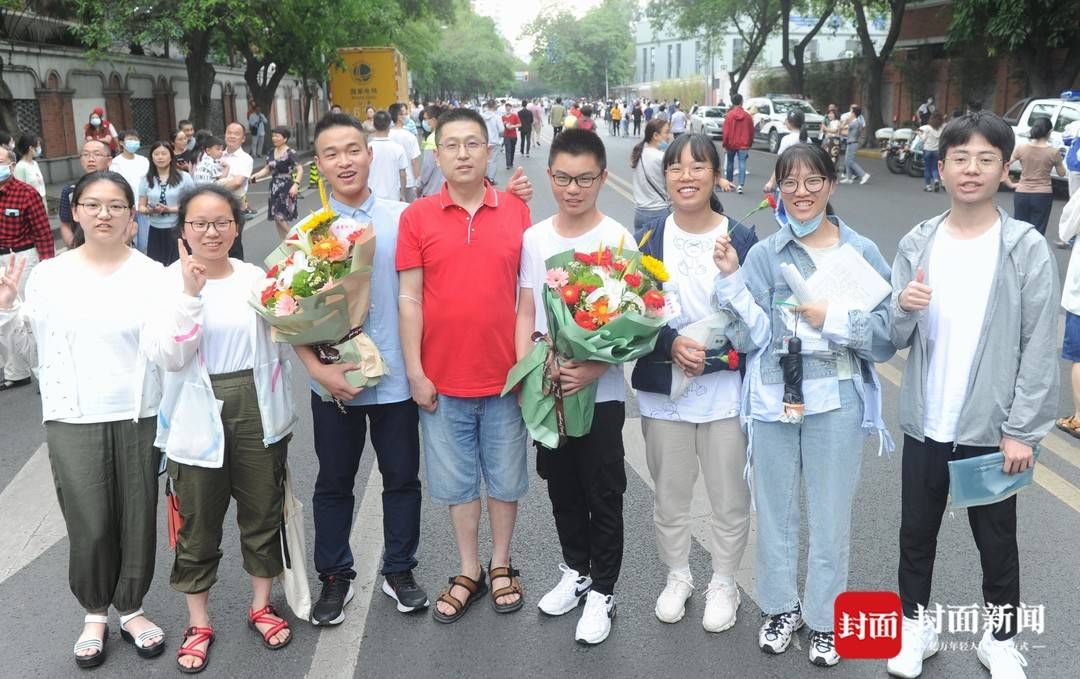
678, 60
644, 63
652, 63
670, 49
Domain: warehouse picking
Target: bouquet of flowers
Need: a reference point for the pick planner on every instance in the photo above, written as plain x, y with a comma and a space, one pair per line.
317, 292
600, 306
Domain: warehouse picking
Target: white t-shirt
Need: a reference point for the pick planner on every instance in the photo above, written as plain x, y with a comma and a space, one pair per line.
30, 172
407, 141
541, 242
689, 261
678, 122
134, 171
387, 160
960, 274
106, 345
240, 165
931, 137
226, 344
787, 141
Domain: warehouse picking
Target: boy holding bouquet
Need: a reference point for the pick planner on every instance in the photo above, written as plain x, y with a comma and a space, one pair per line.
585, 476
974, 299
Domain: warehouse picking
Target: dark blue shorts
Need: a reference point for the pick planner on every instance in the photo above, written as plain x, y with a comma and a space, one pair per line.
1070, 348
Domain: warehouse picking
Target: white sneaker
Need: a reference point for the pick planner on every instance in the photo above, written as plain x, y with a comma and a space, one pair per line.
865, 178
847, 180
671, 604
721, 603
777, 630
823, 649
739, 189
595, 623
918, 641
1001, 658
566, 595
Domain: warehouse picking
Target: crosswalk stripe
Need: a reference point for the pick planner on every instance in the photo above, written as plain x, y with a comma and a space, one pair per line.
33, 522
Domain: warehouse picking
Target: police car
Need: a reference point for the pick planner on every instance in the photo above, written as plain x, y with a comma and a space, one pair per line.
1062, 112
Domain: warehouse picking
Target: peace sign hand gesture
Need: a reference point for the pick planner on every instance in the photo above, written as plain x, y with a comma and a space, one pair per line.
9, 281
194, 273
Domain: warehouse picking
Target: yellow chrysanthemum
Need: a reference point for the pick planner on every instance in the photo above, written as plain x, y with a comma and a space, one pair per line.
655, 267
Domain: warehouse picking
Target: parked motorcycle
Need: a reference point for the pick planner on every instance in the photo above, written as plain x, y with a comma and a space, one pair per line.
897, 149
914, 162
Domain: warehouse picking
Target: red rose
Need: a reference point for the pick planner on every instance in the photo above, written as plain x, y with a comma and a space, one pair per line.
654, 299
733, 359
632, 279
571, 294
582, 318
620, 266
585, 258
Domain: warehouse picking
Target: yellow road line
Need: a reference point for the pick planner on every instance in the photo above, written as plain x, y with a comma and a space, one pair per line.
1044, 476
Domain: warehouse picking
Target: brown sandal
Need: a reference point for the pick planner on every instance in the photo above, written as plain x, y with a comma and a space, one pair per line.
476, 588
511, 574
1069, 425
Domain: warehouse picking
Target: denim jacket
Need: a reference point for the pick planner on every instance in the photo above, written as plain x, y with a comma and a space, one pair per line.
653, 372
864, 335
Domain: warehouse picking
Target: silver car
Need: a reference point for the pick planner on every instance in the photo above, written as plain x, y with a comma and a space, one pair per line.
708, 120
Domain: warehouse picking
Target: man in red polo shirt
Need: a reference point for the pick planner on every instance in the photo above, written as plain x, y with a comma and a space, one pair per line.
458, 254
24, 232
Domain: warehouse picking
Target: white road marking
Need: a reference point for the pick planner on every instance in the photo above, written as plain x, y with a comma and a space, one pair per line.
337, 652
32, 519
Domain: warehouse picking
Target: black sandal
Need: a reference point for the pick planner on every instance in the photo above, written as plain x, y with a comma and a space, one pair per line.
88, 661
476, 588
144, 651
511, 574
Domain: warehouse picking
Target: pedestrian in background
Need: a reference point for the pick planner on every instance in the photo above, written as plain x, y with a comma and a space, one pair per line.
931, 133
853, 129
626, 115
1068, 228
284, 168
526, 117
650, 189
636, 114
616, 118
99, 402
511, 123
369, 119
179, 142
226, 418
697, 430
95, 157
737, 137
431, 176
257, 123
586, 122
99, 128
25, 234
556, 116
538, 120
493, 122
388, 175
241, 166
160, 192
134, 167
408, 141
27, 170
678, 122
1034, 194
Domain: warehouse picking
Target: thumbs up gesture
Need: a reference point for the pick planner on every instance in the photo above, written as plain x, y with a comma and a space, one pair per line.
916, 294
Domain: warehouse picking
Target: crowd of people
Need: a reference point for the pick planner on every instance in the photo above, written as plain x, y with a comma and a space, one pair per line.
181, 367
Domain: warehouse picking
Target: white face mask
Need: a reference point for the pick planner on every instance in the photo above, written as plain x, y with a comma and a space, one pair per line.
94, 120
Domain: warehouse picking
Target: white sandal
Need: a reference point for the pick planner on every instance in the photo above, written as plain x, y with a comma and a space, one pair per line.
139, 642
95, 644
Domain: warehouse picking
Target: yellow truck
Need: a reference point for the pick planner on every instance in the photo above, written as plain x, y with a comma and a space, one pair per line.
372, 76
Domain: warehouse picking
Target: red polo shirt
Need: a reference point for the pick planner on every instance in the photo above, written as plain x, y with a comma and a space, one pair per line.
470, 287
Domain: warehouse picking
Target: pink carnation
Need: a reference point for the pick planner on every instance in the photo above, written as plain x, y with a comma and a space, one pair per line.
557, 278
286, 306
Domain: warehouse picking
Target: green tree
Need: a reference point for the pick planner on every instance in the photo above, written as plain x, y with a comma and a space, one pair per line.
874, 59
472, 58
1031, 30
752, 20
794, 57
585, 55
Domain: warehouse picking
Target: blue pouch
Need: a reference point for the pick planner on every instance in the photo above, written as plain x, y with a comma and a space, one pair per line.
980, 481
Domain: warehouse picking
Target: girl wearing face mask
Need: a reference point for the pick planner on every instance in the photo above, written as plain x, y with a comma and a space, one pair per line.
842, 397
226, 417
134, 168
698, 428
431, 177
99, 402
101, 129
28, 148
647, 161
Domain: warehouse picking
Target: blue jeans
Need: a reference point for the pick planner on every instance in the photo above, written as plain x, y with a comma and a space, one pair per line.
854, 170
466, 438
742, 155
143, 235
930, 169
824, 454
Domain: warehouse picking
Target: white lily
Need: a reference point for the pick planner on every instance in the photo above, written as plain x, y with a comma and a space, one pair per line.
617, 294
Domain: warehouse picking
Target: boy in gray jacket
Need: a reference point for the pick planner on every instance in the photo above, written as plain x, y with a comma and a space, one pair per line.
974, 299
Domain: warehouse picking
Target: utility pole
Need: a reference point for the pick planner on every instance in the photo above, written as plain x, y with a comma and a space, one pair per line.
606, 95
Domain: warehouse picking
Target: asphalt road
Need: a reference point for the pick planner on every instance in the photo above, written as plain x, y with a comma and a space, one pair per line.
41, 619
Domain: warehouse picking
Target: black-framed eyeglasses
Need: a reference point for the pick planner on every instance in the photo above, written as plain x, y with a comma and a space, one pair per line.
220, 225
583, 180
114, 209
811, 184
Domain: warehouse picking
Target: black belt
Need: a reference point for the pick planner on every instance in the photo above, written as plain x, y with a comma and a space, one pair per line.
11, 251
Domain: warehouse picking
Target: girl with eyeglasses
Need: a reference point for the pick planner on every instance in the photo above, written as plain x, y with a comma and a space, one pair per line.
161, 190
821, 453
99, 401
225, 420
692, 424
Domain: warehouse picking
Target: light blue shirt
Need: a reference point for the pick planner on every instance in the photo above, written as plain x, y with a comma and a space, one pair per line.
382, 321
